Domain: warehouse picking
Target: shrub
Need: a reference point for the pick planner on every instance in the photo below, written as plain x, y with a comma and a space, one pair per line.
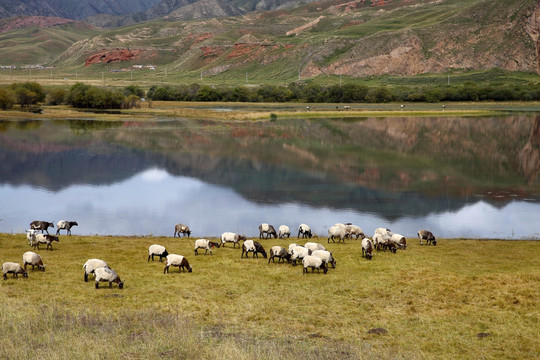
56, 96
7, 99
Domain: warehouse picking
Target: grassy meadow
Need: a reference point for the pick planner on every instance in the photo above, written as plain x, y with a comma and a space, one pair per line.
434, 301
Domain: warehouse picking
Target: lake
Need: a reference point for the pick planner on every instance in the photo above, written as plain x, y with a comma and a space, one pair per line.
475, 177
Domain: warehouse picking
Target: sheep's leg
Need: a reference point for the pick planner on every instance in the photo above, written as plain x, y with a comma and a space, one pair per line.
110, 285
97, 284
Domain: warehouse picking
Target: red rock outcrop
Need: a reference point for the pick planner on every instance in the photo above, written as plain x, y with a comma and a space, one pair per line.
115, 55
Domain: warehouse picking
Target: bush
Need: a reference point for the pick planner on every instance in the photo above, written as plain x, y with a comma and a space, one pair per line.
56, 96
7, 99
92, 97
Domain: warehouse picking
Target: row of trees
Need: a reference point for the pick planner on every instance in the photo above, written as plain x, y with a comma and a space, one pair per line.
349, 93
86, 96
79, 95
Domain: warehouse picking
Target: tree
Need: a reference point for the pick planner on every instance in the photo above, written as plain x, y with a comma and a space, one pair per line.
6, 99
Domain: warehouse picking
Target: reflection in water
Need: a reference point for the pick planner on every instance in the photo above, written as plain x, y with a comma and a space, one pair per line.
153, 201
457, 177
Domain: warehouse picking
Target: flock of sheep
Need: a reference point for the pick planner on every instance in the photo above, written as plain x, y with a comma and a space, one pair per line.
312, 255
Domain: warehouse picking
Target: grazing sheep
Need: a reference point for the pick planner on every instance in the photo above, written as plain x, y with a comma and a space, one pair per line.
41, 225
31, 258
428, 236
105, 274
205, 244
231, 237
45, 239
400, 240
91, 265
299, 252
177, 260
157, 250
367, 248
354, 230
181, 229
336, 231
284, 230
313, 262
291, 246
280, 253
314, 246
268, 230
305, 231
254, 247
13, 268
31, 236
65, 225
383, 231
325, 256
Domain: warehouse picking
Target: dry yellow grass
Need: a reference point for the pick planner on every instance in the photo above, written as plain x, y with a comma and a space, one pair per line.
433, 301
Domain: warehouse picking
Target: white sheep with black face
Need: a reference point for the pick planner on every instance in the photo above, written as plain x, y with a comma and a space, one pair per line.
313, 262
325, 256
280, 253
283, 231
305, 231
91, 265
177, 260
299, 252
13, 268
65, 225
45, 239
205, 244
105, 274
157, 250
231, 237
400, 241
354, 230
31, 258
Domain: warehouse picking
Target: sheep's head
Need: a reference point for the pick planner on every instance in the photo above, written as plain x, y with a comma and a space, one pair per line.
25, 274
190, 269
41, 267
434, 242
120, 285
369, 256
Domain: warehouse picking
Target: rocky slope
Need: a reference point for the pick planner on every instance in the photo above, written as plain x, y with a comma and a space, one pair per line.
400, 37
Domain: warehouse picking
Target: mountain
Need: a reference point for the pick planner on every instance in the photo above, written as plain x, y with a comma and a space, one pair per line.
351, 38
70, 9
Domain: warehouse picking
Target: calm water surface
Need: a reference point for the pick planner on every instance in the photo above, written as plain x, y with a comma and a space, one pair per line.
458, 177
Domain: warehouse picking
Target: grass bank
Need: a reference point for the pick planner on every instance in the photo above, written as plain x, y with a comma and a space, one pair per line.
267, 111
433, 301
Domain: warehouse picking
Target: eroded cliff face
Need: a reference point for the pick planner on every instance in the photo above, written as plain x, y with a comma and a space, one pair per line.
533, 29
529, 156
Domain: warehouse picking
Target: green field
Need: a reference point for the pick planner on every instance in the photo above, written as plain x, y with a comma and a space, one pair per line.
433, 301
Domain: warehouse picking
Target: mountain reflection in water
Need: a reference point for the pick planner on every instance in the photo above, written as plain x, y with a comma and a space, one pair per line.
457, 177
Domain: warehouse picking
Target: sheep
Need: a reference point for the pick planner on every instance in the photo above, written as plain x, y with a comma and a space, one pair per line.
65, 225
268, 230
205, 244
91, 265
314, 246
31, 258
41, 225
428, 236
157, 250
254, 247
305, 230
383, 231
299, 252
291, 246
279, 252
177, 260
284, 230
31, 236
313, 262
105, 274
354, 230
325, 256
231, 237
181, 228
335, 231
400, 240
45, 239
13, 268
385, 241
367, 248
